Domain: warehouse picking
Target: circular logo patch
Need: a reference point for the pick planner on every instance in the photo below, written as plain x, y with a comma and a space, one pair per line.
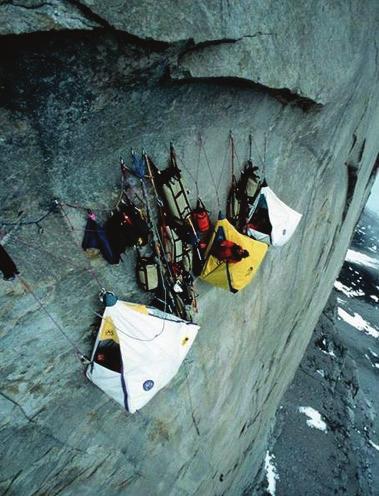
147, 385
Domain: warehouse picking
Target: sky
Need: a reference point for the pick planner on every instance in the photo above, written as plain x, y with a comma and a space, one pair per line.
373, 201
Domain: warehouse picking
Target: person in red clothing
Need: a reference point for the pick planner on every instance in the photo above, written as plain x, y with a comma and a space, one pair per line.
228, 251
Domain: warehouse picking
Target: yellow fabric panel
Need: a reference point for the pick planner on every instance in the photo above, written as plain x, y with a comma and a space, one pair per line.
137, 307
241, 273
214, 272
108, 330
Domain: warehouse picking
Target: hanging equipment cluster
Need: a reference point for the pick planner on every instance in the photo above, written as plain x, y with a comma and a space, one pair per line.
257, 211
167, 234
173, 242
256, 218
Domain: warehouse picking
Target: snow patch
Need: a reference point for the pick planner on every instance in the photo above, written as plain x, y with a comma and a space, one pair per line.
361, 259
271, 473
349, 292
373, 364
358, 322
321, 372
314, 418
375, 298
373, 445
330, 353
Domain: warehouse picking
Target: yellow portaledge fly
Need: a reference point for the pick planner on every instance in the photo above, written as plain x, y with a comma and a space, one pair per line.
232, 276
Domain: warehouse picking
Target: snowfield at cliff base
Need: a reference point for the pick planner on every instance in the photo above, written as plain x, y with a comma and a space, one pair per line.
361, 259
271, 473
358, 322
349, 292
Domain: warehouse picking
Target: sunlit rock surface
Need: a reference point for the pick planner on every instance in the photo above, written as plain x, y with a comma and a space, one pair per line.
71, 103
25, 16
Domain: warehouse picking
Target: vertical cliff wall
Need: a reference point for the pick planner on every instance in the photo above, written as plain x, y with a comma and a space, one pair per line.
80, 84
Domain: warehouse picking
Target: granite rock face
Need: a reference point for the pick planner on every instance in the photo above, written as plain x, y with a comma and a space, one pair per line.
292, 49
25, 16
337, 378
71, 103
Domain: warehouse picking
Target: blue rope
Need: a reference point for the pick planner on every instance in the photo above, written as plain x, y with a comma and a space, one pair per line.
52, 209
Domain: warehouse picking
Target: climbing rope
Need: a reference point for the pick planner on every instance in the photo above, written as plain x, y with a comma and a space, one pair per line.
233, 154
134, 337
210, 173
74, 346
95, 277
59, 203
198, 166
251, 141
71, 227
182, 164
194, 421
52, 209
28, 287
224, 163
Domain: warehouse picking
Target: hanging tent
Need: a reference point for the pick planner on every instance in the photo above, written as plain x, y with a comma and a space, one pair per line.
232, 276
271, 220
138, 351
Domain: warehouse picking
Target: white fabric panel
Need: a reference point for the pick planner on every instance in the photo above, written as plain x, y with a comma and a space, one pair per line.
107, 380
253, 233
284, 219
156, 312
155, 355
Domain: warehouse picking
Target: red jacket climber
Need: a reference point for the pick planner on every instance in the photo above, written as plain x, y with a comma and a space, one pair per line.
228, 251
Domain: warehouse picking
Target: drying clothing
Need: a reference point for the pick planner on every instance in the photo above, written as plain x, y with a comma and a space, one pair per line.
126, 228
227, 251
7, 266
96, 238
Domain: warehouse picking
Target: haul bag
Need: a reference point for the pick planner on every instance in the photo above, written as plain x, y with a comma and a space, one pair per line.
176, 247
182, 252
176, 199
147, 274
250, 181
188, 258
233, 206
200, 217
